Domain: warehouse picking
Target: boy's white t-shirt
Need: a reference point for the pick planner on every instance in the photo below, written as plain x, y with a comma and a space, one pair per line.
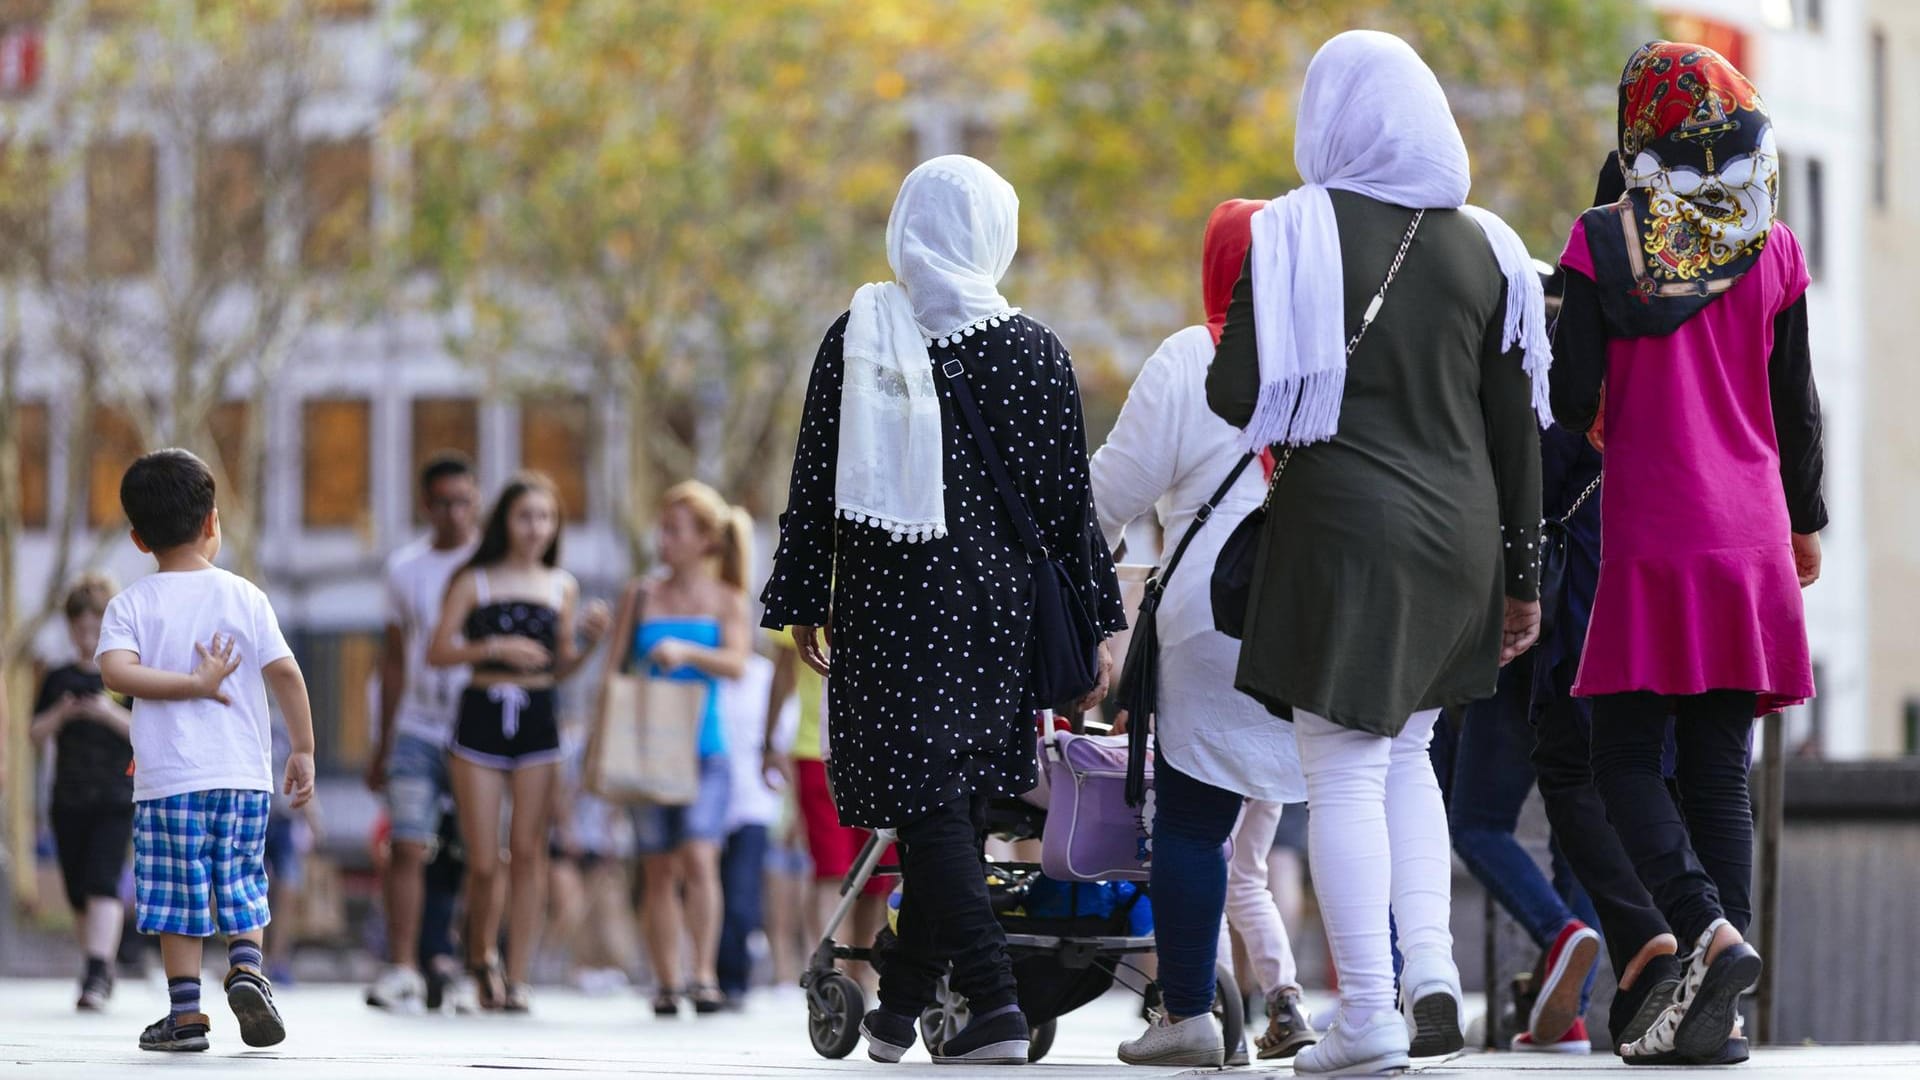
201, 745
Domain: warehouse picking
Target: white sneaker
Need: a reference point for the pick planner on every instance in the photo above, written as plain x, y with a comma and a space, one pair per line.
1193, 1041
1430, 1000
400, 990
462, 997
1379, 1047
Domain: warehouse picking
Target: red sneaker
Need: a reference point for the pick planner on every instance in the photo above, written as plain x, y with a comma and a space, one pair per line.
1573, 1042
1557, 1007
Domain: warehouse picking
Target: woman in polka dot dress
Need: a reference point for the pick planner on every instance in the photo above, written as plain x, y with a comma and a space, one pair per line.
897, 548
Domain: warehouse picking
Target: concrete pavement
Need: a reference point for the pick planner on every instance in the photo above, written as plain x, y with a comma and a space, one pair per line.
333, 1036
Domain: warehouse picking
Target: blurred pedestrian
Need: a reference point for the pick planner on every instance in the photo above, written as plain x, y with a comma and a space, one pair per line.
690, 623
516, 620
1403, 573
1683, 338
418, 705
91, 806
753, 808
895, 526
1221, 757
590, 891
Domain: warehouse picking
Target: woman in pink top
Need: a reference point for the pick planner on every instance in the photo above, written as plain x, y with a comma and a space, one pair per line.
1685, 318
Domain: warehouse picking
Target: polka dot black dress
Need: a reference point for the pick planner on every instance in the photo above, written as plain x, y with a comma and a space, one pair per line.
928, 693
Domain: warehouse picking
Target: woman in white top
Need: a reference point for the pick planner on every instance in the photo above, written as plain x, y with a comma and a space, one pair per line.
1216, 747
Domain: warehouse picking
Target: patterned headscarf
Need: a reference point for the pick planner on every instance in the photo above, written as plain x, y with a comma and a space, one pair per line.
1697, 156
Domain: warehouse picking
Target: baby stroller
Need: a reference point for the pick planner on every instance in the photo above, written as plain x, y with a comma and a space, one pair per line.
1065, 954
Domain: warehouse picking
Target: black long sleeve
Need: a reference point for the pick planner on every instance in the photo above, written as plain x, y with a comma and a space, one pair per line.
1579, 353
1796, 419
1233, 380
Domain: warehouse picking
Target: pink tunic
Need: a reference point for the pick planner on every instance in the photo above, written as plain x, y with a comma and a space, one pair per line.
1697, 586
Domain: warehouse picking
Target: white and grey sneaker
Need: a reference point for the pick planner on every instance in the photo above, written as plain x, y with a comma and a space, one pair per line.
1378, 1047
1430, 1001
400, 990
1195, 1041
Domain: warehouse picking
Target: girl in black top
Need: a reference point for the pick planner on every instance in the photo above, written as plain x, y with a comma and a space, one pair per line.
91, 810
510, 616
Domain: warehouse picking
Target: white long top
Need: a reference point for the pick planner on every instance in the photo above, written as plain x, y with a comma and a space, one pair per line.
1167, 453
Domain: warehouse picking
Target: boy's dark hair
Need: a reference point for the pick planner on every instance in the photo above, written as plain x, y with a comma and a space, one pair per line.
442, 465
167, 496
89, 595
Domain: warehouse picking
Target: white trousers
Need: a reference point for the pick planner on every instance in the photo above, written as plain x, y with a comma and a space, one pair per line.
1377, 839
1251, 907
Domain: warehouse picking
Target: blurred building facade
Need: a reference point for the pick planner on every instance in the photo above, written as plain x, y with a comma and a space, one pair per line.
357, 406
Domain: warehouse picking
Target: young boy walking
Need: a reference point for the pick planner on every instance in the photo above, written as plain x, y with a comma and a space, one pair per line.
197, 648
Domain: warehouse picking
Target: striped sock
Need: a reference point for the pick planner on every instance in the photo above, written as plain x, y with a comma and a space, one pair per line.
184, 994
243, 952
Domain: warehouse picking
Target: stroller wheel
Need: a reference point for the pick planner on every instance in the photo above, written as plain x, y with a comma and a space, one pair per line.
835, 1007
1042, 1040
1229, 1009
943, 1019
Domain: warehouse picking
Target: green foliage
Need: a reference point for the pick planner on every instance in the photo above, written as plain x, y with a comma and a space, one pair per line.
695, 189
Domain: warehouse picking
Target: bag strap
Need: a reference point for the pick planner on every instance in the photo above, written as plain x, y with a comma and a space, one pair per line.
1010, 497
639, 592
1158, 584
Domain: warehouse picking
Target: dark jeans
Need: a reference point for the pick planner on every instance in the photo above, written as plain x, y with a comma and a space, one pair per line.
1192, 820
1692, 847
1491, 779
946, 917
1589, 842
444, 877
743, 865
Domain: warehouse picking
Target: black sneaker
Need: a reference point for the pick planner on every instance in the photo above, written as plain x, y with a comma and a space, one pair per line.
1288, 1031
250, 997
95, 991
889, 1035
176, 1032
999, 1038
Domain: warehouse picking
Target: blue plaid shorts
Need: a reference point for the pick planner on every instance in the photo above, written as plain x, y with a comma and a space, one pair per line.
199, 858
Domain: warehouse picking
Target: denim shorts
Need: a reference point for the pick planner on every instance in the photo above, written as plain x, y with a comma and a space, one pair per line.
417, 790
658, 830
199, 861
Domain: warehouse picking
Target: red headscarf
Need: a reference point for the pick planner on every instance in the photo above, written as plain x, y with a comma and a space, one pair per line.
1222, 256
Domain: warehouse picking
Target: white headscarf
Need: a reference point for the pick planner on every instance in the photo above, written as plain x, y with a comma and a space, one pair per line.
1373, 120
951, 236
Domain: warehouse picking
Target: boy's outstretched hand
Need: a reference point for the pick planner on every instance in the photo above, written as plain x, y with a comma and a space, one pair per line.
219, 658
299, 783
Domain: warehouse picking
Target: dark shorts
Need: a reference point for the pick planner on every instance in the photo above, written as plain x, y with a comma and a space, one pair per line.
507, 727
92, 843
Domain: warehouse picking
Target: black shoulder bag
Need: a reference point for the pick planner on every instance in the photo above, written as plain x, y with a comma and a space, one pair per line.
1233, 573
1063, 653
1555, 542
1139, 692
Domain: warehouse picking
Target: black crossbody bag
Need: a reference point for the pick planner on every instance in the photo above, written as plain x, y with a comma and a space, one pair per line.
1233, 572
1064, 651
1139, 692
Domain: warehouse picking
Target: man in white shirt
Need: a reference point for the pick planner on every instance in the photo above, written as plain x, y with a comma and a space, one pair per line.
418, 704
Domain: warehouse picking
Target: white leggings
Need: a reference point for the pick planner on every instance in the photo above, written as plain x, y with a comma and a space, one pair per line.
1377, 837
1251, 907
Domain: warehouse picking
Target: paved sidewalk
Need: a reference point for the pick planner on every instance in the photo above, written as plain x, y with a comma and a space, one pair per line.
333, 1036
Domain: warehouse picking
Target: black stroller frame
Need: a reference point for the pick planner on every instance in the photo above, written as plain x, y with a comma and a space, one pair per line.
836, 1002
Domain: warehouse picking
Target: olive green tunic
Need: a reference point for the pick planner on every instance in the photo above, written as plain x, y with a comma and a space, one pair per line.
1390, 549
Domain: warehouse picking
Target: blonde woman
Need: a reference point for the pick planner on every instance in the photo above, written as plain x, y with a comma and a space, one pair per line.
689, 621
